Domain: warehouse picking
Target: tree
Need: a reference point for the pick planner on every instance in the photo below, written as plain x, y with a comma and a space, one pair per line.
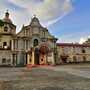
1, 23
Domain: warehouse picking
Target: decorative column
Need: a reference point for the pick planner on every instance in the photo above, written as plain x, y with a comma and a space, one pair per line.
45, 62
25, 44
33, 62
55, 51
12, 45
28, 59
53, 58
11, 60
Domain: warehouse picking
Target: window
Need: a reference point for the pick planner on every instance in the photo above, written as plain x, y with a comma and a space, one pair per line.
4, 60
4, 44
5, 29
83, 51
84, 58
43, 33
26, 32
74, 58
35, 42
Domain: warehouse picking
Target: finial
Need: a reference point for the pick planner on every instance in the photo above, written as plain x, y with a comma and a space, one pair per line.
7, 10
34, 15
7, 14
23, 25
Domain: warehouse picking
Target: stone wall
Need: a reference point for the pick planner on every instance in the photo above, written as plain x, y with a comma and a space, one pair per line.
5, 57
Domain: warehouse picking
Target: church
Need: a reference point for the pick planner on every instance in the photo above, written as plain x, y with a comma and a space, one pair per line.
34, 45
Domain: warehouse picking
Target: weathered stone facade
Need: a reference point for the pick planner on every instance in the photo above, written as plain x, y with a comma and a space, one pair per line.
32, 45
7, 33
69, 52
35, 45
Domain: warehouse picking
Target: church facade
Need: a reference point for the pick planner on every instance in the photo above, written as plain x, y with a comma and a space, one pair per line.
32, 45
35, 45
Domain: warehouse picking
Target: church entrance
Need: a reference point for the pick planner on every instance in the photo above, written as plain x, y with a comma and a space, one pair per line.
43, 54
36, 56
64, 59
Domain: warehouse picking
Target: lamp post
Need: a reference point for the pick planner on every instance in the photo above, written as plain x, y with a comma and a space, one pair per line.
55, 49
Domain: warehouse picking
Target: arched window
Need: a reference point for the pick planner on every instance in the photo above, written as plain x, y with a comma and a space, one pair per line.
5, 28
35, 42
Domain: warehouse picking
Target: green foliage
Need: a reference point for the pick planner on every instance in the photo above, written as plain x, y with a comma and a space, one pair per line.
1, 23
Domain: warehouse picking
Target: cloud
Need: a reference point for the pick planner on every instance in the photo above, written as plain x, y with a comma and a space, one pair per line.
18, 14
48, 11
82, 40
68, 40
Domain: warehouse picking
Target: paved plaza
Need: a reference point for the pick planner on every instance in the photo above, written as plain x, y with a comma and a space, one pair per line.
64, 77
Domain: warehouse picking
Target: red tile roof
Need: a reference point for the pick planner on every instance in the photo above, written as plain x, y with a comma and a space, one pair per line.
73, 45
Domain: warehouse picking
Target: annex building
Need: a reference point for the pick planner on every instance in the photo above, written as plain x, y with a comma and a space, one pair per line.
35, 45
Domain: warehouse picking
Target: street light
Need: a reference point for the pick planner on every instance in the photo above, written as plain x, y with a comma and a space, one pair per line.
55, 49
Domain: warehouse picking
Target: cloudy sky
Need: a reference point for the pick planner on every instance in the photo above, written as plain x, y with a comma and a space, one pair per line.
68, 20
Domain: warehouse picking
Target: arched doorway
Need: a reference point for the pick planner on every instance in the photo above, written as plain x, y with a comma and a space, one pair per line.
43, 54
36, 56
64, 58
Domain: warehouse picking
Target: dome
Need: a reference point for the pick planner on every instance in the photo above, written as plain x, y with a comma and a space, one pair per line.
6, 18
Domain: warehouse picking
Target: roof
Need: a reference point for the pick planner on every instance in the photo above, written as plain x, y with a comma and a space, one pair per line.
73, 45
6, 18
2, 23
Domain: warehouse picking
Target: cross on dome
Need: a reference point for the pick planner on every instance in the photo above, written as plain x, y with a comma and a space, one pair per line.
6, 18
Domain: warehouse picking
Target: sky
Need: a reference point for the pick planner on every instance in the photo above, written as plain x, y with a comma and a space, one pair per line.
68, 20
